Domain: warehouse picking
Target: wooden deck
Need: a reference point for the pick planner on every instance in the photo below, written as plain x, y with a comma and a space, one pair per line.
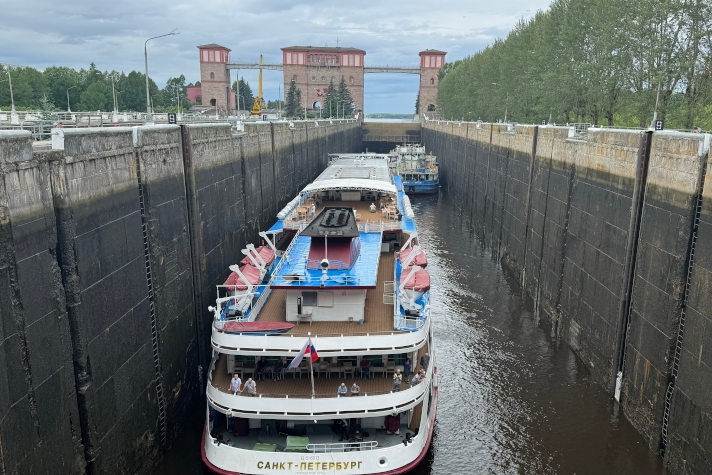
296, 383
362, 212
378, 316
299, 385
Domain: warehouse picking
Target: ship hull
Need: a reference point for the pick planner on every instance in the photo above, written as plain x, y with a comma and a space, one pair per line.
297, 464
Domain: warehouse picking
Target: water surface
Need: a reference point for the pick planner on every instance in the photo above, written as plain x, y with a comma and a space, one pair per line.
512, 398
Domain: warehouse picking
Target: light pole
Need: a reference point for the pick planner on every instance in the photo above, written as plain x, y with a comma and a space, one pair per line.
69, 109
14, 119
145, 59
113, 92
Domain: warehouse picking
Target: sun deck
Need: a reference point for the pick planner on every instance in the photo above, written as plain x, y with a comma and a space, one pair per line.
379, 316
385, 216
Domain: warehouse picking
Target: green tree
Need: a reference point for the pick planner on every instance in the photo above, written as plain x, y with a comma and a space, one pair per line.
63, 82
275, 104
598, 61
293, 103
97, 97
28, 87
244, 94
133, 92
330, 108
174, 93
345, 99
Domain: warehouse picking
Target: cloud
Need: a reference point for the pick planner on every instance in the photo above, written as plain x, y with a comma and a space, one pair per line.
112, 35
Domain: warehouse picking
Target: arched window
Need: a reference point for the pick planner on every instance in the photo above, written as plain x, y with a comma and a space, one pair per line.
212, 75
432, 81
213, 102
351, 79
199, 100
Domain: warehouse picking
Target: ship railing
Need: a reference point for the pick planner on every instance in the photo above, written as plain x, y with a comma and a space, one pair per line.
410, 322
342, 446
298, 403
330, 395
334, 264
379, 226
257, 307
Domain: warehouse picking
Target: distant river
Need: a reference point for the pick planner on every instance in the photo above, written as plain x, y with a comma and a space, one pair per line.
512, 399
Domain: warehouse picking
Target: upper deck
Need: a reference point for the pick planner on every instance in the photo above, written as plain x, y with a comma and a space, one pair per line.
356, 215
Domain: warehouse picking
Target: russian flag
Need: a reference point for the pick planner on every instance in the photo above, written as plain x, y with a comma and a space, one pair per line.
311, 351
307, 350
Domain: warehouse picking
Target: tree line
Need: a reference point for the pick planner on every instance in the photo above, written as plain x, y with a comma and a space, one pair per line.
61, 88
338, 102
604, 62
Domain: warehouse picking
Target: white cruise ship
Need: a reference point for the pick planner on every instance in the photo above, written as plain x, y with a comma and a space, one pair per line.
327, 324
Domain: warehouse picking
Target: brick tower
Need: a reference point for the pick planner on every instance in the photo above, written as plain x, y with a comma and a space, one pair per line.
430, 63
313, 67
215, 77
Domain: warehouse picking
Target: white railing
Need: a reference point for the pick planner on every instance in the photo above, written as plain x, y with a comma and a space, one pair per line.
265, 295
409, 322
310, 408
342, 446
332, 344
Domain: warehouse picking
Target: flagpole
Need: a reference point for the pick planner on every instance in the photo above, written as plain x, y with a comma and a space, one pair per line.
311, 367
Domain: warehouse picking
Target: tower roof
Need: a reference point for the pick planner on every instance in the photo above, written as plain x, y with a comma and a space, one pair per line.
214, 46
324, 49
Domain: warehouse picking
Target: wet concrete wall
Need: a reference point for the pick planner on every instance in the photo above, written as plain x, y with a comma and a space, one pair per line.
610, 235
38, 403
110, 250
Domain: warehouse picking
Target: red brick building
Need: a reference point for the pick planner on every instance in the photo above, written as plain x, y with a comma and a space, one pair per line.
431, 61
215, 82
313, 68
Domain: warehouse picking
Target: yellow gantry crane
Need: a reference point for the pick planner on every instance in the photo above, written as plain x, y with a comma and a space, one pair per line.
259, 102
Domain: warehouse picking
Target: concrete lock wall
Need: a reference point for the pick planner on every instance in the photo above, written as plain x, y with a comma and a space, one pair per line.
110, 250
611, 237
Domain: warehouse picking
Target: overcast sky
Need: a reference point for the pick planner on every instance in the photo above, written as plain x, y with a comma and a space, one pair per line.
111, 34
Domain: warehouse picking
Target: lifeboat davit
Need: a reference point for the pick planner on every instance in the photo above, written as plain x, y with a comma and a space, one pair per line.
414, 282
420, 259
265, 252
252, 276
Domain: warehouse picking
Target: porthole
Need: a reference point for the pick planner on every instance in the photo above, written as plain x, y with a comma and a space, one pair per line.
383, 462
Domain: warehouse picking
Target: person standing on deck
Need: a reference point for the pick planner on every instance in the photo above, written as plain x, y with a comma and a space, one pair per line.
397, 380
251, 387
235, 384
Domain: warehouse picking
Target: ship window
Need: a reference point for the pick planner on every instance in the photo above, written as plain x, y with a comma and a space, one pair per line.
309, 299
325, 299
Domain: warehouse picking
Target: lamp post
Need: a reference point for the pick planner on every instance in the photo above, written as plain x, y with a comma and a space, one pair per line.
145, 59
13, 113
69, 109
113, 91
